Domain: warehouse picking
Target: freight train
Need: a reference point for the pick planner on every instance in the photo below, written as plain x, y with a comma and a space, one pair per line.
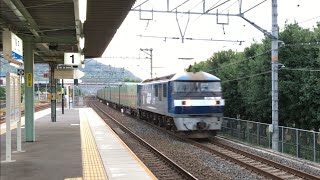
188, 102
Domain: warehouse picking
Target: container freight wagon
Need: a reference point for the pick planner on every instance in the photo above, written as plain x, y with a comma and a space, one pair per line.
121, 96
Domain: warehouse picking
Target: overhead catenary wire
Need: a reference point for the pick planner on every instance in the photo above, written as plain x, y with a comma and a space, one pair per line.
140, 4
246, 77
229, 6
252, 57
267, 72
281, 29
216, 6
253, 7
180, 5
211, 8
301, 69
252, 102
315, 43
219, 3
312, 43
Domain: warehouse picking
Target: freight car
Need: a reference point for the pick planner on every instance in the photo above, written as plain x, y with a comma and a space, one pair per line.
187, 102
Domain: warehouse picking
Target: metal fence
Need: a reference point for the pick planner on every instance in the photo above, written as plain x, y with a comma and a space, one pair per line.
297, 142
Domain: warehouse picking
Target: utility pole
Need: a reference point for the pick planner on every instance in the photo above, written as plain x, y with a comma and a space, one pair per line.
123, 74
275, 68
38, 92
62, 96
53, 87
149, 52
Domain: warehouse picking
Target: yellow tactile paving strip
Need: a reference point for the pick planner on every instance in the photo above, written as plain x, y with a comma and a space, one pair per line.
77, 178
91, 162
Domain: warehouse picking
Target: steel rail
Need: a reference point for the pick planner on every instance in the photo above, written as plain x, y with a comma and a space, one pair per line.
270, 162
227, 157
253, 168
249, 155
184, 173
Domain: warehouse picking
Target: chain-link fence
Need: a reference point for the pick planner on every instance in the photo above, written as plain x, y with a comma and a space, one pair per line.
297, 142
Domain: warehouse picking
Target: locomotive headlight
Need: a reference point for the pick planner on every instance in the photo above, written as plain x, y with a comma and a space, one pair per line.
186, 103
215, 103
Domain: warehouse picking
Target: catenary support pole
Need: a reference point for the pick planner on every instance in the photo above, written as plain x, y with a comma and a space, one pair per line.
62, 96
151, 67
275, 68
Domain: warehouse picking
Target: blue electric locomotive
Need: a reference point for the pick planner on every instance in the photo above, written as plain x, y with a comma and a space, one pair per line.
186, 102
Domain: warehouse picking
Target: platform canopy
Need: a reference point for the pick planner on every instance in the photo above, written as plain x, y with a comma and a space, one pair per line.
55, 25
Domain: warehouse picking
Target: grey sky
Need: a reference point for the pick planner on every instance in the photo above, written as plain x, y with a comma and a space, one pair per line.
166, 54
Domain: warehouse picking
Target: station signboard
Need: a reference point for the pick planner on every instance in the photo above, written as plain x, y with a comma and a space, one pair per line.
29, 80
12, 46
72, 58
13, 97
20, 72
68, 73
69, 81
13, 113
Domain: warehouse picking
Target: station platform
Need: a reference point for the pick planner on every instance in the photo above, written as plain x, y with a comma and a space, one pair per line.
78, 146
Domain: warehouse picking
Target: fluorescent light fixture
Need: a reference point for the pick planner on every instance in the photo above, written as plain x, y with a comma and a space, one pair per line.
14, 65
81, 42
83, 10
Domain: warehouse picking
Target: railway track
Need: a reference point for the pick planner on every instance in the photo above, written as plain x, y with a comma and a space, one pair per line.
37, 108
257, 164
158, 163
260, 165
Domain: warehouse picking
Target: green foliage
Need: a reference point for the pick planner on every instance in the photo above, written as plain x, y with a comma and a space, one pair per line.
246, 79
2, 93
101, 73
131, 80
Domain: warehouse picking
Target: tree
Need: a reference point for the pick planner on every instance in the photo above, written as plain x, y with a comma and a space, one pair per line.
246, 79
2, 93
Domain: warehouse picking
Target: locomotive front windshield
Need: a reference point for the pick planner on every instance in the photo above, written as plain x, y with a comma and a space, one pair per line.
183, 86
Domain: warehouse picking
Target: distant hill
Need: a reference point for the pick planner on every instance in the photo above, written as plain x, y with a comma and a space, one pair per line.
101, 73
5, 67
94, 72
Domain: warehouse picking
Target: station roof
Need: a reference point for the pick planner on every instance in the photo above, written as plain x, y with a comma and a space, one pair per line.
55, 27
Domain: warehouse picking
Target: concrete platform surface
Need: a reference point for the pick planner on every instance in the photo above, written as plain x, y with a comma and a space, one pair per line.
56, 153
119, 161
78, 146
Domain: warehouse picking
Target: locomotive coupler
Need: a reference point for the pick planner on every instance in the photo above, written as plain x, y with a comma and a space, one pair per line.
201, 125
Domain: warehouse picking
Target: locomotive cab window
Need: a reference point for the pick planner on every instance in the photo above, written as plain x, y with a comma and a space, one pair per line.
155, 90
183, 86
160, 92
210, 86
164, 88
